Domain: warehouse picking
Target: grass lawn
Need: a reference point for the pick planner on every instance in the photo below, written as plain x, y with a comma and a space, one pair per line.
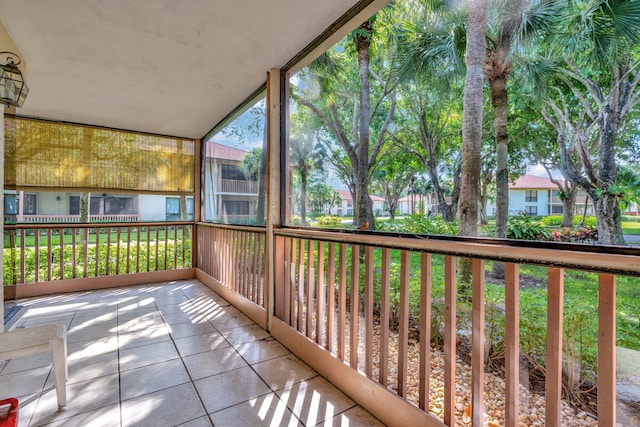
629, 227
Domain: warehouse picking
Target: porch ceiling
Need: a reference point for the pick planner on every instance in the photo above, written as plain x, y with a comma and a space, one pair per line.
173, 67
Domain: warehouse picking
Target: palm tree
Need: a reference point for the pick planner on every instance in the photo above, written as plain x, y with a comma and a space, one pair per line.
305, 157
600, 70
513, 23
358, 122
472, 117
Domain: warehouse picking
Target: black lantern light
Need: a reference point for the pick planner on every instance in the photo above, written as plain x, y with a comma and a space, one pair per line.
13, 89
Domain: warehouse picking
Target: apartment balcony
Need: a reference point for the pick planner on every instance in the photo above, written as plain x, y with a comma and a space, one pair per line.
238, 186
141, 352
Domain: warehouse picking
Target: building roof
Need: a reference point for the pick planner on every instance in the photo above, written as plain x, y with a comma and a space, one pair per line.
416, 197
219, 151
532, 182
346, 195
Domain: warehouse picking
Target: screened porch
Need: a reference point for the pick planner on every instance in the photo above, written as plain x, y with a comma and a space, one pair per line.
241, 316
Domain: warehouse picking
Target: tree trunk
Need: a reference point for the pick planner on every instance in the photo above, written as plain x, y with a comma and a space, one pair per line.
472, 118
472, 124
84, 207
482, 206
445, 209
499, 102
261, 208
363, 209
303, 198
607, 207
569, 206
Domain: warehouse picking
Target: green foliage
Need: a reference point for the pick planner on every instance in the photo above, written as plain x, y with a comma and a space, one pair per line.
631, 218
329, 221
523, 227
420, 223
580, 235
295, 220
551, 221
109, 259
556, 221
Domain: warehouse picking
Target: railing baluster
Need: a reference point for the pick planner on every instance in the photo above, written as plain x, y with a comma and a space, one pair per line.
36, 242
309, 291
166, 245
97, 254
384, 318
108, 251
354, 309
186, 230
255, 275
247, 258
320, 292
477, 344
425, 329
23, 275
512, 344
553, 379
118, 231
287, 279
331, 295
301, 267
175, 246
85, 249
242, 262
61, 235
449, 339
73, 252
49, 254
292, 282
157, 246
342, 299
128, 249
606, 349
368, 312
148, 248
403, 326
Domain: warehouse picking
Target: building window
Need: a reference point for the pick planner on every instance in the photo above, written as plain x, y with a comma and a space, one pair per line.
556, 209
118, 205
531, 196
173, 212
236, 207
531, 210
29, 204
232, 172
172, 208
10, 204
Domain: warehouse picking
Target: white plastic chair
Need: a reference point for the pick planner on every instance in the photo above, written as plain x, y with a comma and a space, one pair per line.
40, 339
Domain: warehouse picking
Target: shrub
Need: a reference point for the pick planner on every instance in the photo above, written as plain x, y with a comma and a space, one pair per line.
295, 220
331, 221
583, 235
522, 227
552, 221
629, 218
419, 223
590, 221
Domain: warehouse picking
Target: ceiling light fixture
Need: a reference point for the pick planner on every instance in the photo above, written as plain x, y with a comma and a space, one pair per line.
13, 89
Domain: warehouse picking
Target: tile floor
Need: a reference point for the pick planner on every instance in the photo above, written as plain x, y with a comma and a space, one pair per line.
167, 355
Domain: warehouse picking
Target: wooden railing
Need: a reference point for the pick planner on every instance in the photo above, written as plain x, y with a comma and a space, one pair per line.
413, 327
238, 186
46, 252
47, 219
234, 256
